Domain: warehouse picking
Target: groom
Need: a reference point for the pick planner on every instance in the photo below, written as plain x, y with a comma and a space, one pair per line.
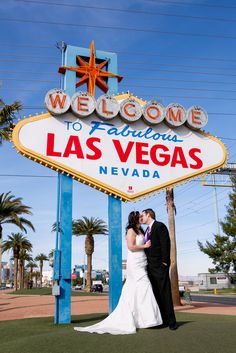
158, 258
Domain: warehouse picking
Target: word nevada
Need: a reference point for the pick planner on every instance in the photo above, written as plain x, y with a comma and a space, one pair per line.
130, 109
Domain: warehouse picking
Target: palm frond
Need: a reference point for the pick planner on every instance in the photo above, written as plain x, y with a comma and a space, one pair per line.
89, 226
12, 210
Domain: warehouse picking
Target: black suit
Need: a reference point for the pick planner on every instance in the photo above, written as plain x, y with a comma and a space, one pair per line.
158, 273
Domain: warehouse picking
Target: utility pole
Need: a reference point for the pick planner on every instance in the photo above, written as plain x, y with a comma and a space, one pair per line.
84, 273
171, 210
216, 211
219, 178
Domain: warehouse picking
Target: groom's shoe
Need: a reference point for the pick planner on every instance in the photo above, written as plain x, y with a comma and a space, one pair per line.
173, 327
162, 326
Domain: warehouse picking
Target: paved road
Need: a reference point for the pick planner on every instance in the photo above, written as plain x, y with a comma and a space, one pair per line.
214, 299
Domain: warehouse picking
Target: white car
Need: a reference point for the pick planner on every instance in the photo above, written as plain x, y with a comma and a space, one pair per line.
9, 285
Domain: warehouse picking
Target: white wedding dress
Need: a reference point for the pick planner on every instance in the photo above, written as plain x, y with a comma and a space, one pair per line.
137, 307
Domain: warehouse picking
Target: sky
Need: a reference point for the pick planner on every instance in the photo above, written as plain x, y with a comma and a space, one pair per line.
172, 51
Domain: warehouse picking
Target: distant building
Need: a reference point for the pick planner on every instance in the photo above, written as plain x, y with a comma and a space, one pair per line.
7, 272
47, 277
214, 281
81, 270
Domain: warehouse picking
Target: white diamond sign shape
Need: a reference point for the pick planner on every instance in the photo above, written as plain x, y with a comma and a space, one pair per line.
128, 160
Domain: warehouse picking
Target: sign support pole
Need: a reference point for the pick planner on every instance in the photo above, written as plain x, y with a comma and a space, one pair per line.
64, 299
114, 220
62, 269
63, 263
115, 251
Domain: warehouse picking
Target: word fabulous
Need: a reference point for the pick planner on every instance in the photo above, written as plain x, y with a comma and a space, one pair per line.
130, 109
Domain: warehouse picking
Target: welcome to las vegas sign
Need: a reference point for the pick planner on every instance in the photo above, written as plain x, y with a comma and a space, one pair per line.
120, 145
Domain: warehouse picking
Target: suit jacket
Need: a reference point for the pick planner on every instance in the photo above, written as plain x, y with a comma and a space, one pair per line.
159, 251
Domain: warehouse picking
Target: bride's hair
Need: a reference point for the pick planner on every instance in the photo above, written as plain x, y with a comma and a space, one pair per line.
133, 222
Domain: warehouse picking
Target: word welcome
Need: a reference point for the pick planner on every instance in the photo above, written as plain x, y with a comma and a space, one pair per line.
130, 109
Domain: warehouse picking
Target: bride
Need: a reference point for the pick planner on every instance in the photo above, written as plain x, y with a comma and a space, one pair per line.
137, 307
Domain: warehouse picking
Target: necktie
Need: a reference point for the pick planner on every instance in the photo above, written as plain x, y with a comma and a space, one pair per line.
147, 234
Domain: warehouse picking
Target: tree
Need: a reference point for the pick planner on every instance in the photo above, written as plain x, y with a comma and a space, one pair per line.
23, 256
15, 243
7, 117
222, 250
89, 227
11, 211
36, 275
31, 265
51, 258
41, 258
171, 210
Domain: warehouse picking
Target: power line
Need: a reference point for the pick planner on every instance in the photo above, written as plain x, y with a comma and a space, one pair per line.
31, 62
124, 52
191, 241
188, 251
188, 97
192, 4
121, 61
180, 88
179, 206
178, 80
30, 80
133, 11
195, 227
41, 107
180, 65
227, 138
29, 72
28, 176
143, 95
180, 71
124, 85
136, 68
199, 209
198, 198
26, 56
148, 70
128, 77
177, 191
67, 24
176, 56
27, 46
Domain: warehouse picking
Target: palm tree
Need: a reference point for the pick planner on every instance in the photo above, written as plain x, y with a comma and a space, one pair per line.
171, 210
51, 258
16, 242
54, 227
89, 227
11, 211
23, 256
31, 265
7, 116
36, 274
41, 258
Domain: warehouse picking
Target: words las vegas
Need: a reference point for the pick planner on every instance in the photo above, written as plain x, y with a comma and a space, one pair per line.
130, 110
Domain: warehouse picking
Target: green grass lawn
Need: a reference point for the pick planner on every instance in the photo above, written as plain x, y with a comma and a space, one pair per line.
227, 291
48, 291
219, 291
197, 334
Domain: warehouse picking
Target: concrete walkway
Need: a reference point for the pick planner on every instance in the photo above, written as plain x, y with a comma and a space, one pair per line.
13, 307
